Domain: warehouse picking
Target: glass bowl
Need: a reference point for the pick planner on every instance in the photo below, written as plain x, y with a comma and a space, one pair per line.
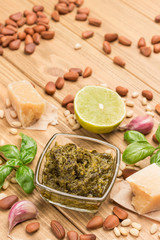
70, 201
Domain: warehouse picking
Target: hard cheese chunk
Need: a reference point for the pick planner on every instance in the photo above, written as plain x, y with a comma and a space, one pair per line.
146, 189
26, 101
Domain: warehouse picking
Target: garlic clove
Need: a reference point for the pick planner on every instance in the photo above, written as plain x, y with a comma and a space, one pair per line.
20, 212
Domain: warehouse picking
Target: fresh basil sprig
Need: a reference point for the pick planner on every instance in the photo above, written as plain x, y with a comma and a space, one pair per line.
16, 160
139, 148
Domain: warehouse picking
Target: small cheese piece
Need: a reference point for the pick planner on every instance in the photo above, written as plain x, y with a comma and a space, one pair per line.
26, 101
146, 189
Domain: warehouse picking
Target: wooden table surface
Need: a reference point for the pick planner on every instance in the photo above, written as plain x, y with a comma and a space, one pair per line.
133, 19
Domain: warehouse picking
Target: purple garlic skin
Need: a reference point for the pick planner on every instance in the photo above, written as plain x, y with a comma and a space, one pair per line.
142, 124
20, 212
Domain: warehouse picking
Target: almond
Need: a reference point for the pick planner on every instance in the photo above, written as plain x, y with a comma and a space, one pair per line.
157, 19
154, 138
55, 16
62, 9
39, 28
157, 108
29, 31
1, 51
155, 39
119, 61
71, 7
146, 51
59, 83
141, 42
37, 8
87, 72
71, 76
11, 22
47, 35
72, 235
110, 37
7, 31
32, 227
31, 19
57, 229
16, 16
81, 17
122, 91
29, 48
95, 22
50, 88
22, 36
7, 202
79, 3
106, 47
87, 237
36, 38
21, 22
70, 107
124, 41
78, 70
147, 94
15, 45
28, 39
68, 99
120, 213
87, 34
128, 172
156, 48
95, 222
111, 222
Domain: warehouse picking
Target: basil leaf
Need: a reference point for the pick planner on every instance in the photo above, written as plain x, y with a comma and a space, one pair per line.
158, 133
134, 136
137, 151
156, 158
4, 172
25, 178
14, 163
10, 152
28, 149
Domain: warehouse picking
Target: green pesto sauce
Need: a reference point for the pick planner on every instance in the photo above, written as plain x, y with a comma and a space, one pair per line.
77, 171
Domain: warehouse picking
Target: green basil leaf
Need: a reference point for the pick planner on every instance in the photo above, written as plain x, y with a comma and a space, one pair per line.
158, 133
4, 172
25, 178
10, 152
137, 151
14, 163
156, 158
134, 136
28, 149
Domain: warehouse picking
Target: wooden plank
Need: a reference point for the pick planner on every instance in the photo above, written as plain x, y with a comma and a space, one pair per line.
118, 17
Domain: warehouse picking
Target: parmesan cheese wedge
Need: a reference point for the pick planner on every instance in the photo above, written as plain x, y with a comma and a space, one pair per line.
26, 101
146, 189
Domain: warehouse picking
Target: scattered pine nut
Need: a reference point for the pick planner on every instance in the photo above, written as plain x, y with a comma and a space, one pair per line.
70, 116
129, 114
2, 142
150, 113
124, 100
129, 103
135, 94
116, 232
75, 118
76, 126
66, 113
8, 103
1, 114
134, 232
77, 46
136, 225
119, 173
5, 185
72, 122
123, 231
13, 114
17, 124
126, 222
149, 108
122, 165
159, 235
13, 180
1, 161
153, 228
13, 131
144, 101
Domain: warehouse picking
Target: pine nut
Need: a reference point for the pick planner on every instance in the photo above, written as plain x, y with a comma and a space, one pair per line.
129, 114
1, 161
159, 235
149, 108
17, 124
8, 103
1, 114
13, 180
126, 222
119, 173
13, 131
116, 232
135, 94
2, 195
124, 100
13, 114
2, 142
144, 101
71, 122
66, 113
76, 126
136, 225
69, 116
150, 113
153, 228
75, 118
5, 185
134, 232
129, 103
77, 46
123, 231
122, 165
104, 85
